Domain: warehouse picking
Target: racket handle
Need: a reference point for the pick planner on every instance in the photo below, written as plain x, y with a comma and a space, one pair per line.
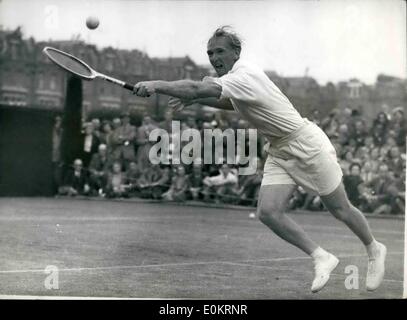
128, 86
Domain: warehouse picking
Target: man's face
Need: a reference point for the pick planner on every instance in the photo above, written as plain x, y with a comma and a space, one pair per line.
102, 150
116, 167
221, 55
355, 171
89, 129
77, 165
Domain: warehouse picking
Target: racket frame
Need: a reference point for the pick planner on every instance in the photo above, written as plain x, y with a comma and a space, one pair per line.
94, 73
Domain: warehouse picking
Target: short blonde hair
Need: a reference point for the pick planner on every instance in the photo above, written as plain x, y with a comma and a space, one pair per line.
227, 32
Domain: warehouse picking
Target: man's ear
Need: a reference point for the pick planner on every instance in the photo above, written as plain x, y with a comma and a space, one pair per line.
237, 53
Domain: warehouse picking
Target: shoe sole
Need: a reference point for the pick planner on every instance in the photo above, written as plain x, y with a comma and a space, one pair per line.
384, 270
333, 268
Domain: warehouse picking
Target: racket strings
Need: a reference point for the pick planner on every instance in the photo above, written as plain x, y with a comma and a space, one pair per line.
70, 63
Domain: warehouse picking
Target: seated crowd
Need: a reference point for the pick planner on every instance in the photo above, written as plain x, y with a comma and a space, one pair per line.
115, 163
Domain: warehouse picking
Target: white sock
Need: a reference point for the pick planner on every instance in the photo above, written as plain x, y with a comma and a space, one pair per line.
371, 248
319, 253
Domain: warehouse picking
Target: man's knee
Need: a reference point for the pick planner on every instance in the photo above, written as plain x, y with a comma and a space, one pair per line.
341, 211
269, 212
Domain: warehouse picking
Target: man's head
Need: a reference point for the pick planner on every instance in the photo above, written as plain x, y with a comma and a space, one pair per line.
77, 164
223, 50
96, 123
88, 128
117, 167
133, 166
102, 149
355, 169
181, 171
116, 123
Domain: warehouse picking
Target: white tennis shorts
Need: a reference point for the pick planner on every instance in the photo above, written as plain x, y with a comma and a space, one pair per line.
307, 158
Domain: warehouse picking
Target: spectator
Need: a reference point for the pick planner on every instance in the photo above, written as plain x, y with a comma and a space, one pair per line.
397, 192
179, 186
96, 127
116, 182
374, 159
106, 135
154, 181
143, 142
116, 123
359, 133
133, 175
195, 182
369, 171
346, 162
376, 194
379, 129
398, 125
343, 134
331, 124
369, 142
223, 186
362, 154
394, 160
352, 183
123, 139
249, 189
90, 144
75, 181
98, 170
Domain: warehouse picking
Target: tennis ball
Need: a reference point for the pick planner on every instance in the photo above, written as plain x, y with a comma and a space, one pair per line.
92, 22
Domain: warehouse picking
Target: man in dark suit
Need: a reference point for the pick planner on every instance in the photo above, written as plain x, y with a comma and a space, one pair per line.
89, 144
98, 169
75, 181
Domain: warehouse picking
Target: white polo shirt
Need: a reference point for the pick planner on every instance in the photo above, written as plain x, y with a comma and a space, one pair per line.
259, 101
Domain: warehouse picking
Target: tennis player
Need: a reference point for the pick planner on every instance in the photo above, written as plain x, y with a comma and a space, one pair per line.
299, 153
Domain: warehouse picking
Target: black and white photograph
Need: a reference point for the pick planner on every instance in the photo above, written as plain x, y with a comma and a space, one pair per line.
203, 150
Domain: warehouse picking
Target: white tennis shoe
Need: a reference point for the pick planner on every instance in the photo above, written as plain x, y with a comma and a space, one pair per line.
376, 268
323, 267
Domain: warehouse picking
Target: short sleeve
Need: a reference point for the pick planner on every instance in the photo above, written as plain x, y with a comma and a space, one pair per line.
236, 85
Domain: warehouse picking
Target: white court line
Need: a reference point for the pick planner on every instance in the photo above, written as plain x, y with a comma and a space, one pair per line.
307, 258
298, 271
146, 220
178, 264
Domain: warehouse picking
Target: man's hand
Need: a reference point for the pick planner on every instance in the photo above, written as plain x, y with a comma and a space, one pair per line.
177, 104
145, 88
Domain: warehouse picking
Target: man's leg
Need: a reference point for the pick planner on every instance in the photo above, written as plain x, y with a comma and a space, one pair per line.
272, 205
339, 205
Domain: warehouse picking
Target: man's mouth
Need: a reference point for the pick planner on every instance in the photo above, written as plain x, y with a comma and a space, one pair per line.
218, 66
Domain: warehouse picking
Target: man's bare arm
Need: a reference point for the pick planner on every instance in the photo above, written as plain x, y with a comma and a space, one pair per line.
183, 89
224, 104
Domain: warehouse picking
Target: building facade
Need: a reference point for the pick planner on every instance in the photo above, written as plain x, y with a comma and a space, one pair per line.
28, 78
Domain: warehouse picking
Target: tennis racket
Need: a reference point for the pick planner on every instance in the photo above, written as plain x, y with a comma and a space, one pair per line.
79, 68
